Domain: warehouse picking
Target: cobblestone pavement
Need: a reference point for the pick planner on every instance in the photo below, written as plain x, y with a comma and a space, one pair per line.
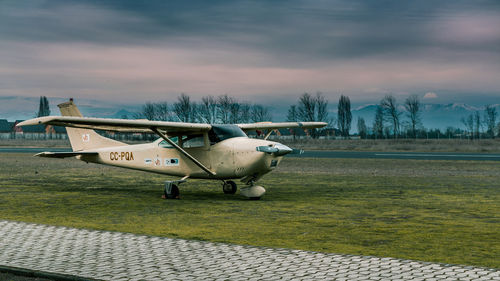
121, 256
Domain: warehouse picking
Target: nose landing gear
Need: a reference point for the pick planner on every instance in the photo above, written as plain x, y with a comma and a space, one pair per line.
253, 192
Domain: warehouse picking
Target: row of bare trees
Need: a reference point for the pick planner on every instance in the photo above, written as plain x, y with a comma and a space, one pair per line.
474, 123
223, 109
388, 117
391, 119
309, 108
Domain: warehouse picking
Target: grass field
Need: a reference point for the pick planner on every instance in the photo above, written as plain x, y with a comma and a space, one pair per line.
440, 211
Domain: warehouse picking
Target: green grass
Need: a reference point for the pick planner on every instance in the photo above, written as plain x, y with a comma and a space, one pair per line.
440, 211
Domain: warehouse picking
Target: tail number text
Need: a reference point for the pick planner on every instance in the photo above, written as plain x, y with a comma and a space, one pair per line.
115, 156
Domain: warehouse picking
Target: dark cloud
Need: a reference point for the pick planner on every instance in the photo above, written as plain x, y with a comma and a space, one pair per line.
372, 46
297, 30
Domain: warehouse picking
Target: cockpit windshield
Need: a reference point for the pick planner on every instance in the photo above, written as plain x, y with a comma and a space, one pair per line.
219, 133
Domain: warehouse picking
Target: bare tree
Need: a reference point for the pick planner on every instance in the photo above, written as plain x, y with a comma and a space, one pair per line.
292, 116
312, 108
148, 111
469, 125
162, 111
245, 114
477, 124
208, 110
378, 122
235, 112
344, 115
391, 112
307, 108
260, 113
183, 108
490, 118
413, 110
362, 130
321, 108
225, 103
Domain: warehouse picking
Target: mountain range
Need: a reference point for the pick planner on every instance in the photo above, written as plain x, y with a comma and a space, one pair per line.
438, 116
433, 116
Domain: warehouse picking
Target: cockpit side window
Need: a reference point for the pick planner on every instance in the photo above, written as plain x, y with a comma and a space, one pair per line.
165, 144
193, 141
187, 141
219, 133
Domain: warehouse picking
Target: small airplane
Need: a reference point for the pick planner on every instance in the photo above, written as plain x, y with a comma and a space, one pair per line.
187, 150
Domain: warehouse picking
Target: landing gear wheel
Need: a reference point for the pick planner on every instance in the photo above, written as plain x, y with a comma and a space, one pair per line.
171, 192
229, 187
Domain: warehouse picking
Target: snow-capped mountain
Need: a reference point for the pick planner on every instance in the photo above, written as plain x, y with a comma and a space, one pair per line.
438, 116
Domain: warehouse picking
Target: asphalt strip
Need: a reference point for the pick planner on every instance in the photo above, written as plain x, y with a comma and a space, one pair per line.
438, 155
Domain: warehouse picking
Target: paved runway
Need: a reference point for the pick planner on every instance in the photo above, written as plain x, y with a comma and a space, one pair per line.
334, 154
399, 155
121, 256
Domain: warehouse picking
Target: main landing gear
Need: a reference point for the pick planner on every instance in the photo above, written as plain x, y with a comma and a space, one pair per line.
229, 187
171, 190
252, 191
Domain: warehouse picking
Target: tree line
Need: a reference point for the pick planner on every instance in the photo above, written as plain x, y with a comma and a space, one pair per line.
389, 120
223, 109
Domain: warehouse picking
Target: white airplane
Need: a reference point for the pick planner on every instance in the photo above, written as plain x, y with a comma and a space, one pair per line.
186, 150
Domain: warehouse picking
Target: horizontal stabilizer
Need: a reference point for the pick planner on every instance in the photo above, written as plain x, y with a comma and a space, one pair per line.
63, 154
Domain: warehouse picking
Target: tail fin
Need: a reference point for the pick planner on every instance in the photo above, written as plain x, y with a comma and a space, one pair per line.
84, 139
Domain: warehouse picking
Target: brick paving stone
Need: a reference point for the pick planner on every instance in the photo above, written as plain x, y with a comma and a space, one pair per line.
122, 256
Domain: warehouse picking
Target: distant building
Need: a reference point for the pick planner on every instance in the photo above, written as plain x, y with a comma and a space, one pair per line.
17, 131
37, 132
56, 132
5, 129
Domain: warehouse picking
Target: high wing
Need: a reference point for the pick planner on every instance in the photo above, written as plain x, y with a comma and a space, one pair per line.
63, 154
146, 126
119, 125
281, 125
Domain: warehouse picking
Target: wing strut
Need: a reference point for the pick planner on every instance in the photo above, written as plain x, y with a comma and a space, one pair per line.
198, 163
268, 133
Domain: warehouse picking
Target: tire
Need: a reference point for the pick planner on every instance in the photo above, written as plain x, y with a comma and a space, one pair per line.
229, 187
174, 192
254, 198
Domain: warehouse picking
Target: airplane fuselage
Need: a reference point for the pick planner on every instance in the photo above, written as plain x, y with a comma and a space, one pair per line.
232, 158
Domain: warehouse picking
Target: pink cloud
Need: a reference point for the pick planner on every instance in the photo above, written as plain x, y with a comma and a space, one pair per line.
162, 72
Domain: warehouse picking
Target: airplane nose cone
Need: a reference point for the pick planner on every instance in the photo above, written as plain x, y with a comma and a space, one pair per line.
277, 149
282, 149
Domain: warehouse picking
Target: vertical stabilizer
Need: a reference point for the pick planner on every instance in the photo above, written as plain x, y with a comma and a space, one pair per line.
84, 139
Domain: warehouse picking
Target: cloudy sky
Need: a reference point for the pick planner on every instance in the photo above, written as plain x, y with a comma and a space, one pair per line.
137, 51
